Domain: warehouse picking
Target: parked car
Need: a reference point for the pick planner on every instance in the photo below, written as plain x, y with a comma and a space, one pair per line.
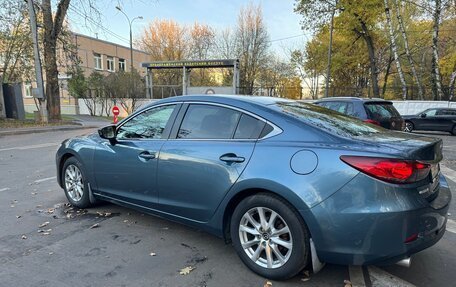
374, 111
435, 119
287, 183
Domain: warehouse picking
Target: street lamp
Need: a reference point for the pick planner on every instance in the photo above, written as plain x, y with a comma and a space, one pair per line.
131, 39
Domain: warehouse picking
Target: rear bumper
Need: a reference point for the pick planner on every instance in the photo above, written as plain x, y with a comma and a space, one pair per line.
361, 227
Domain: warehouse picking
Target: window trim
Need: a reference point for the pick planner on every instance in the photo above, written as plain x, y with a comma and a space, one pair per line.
168, 127
110, 59
122, 62
179, 119
97, 56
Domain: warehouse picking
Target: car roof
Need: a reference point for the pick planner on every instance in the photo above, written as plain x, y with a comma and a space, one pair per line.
353, 99
220, 98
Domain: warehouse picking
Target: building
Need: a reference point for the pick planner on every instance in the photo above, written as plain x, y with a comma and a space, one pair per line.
94, 55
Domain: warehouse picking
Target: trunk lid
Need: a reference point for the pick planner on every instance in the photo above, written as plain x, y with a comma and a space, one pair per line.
408, 146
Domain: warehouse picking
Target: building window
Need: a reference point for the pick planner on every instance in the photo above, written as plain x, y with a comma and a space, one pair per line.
110, 64
97, 64
122, 65
28, 90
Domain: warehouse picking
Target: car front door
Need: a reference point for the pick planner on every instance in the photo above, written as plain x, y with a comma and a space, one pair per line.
425, 120
205, 155
126, 168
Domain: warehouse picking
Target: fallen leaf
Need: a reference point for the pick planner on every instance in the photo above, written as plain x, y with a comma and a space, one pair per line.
152, 254
186, 270
50, 210
34, 193
43, 224
18, 216
125, 221
107, 214
267, 284
50, 253
46, 233
96, 225
24, 237
11, 205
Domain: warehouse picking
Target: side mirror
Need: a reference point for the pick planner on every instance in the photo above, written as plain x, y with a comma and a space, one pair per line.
423, 115
108, 132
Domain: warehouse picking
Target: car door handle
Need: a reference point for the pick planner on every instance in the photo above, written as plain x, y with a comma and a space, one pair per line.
147, 155
231, 157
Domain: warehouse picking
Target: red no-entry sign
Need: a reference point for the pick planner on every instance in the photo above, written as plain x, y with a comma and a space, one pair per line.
115, 110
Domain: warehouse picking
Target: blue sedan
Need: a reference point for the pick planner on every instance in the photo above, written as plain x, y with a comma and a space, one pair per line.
290, 184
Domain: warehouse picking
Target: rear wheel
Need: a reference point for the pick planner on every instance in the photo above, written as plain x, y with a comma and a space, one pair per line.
75, 183
408, 127
270, 237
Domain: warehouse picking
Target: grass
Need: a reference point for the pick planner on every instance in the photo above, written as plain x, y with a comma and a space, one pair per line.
31, 116
30, 122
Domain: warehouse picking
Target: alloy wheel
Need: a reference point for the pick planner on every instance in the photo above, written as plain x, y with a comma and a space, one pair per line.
408, 127
74, 183
265, 237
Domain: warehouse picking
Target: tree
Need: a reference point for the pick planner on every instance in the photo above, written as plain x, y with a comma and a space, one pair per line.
359, 17
394, 50
125, 87
252, 44
416, 78
52, 27
16, 54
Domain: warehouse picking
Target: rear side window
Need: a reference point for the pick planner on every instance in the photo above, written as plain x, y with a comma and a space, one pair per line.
208, 122
249, 128
328, 120
378, 111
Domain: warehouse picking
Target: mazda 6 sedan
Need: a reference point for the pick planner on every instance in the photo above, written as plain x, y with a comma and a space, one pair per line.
290, 184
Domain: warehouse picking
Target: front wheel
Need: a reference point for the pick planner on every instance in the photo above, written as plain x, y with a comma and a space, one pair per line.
408, 127
270, 237
75, 183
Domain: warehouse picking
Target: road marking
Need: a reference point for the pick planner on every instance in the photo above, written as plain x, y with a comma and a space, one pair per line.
451, 226
45, 179
4, 189
30, 146
448, 172
380, 278
356, 276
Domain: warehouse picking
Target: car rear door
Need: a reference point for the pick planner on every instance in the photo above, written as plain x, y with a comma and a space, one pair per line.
206, 153
126, 169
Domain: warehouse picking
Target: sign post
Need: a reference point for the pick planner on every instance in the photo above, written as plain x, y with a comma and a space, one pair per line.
115, 112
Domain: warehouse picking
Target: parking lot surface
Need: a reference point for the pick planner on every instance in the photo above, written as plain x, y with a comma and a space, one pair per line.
46, 242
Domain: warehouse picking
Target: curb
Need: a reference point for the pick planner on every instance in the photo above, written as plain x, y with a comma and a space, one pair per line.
43, 130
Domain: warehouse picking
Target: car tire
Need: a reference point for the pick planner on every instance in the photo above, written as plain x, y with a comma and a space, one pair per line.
292, 244
75, 183
408, 127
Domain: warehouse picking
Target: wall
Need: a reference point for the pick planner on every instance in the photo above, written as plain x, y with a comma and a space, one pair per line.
83, 110
415, 107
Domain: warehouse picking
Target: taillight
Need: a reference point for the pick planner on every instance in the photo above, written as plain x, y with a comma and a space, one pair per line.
388, 169
372, 122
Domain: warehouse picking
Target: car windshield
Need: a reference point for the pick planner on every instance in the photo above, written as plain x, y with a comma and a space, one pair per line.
328, 120
378, 111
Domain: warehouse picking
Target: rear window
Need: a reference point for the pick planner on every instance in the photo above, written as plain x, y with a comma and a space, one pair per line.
328, 120
378, 111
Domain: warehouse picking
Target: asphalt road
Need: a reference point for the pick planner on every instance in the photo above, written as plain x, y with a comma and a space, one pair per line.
128, 248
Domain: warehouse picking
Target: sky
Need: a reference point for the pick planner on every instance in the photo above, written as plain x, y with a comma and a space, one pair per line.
283, 24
